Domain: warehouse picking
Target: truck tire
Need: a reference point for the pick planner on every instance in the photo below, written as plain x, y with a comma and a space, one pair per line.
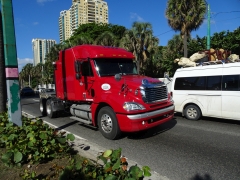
108, 124
49, 109
192, 112
42, 106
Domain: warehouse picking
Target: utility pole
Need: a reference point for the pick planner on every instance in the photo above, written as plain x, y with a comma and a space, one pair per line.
208, 29
11, 64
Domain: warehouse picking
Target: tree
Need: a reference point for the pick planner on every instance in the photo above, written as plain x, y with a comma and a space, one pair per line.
173, 50
139, 40
92, 31
81, 39
27, 72
185, 16
106, 39
3, 88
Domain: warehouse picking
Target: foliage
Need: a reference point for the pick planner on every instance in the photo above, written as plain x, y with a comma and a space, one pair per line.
92, 31
173, 50
226, 40
185, 16
114, 167
140, 40
36, 142
33, 142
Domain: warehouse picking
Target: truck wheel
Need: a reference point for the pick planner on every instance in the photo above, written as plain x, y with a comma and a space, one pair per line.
49, 109
192, 112
42, 107
108, 124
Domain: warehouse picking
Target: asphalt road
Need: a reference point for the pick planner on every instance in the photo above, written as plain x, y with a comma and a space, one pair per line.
180, 149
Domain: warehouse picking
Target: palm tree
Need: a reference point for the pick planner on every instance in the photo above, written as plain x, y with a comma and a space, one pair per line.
138, 40
185, 16
3, 93
173, 50
27, 72
81, 39
106, 39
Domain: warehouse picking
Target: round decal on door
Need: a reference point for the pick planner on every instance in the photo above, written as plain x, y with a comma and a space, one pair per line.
106, 87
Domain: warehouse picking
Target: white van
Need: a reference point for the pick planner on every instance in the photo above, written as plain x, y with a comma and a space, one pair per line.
209, 90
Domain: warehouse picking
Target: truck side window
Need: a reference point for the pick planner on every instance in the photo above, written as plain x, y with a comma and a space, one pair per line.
231, 83
86, 69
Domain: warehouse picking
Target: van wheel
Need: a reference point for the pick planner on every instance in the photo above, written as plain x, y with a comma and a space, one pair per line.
42, 107
49, 109
192, 112
108, 124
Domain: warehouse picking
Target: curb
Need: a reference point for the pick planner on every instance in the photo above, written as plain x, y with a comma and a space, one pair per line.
89, 150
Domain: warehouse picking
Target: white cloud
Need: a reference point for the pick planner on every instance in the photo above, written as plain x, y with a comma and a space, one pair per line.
23, 62
136, 17
35, 23
43, 1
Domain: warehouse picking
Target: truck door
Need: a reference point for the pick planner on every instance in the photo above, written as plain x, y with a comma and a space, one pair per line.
87, 81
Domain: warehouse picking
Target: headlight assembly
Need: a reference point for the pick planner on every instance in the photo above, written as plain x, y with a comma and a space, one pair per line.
131, 106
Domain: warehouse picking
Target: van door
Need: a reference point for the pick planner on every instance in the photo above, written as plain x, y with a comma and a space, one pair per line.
212, 96
231, 97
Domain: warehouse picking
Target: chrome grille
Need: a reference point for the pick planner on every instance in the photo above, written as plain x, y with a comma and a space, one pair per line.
155, 94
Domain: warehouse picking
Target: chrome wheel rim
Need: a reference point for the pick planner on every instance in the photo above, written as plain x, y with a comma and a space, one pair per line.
41, 107
48, 108
192, 113
106, 123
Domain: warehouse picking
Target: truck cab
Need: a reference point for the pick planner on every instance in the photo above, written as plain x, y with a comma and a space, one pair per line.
101, 87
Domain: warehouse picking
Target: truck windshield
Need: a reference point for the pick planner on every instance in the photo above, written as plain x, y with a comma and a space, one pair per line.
110, 67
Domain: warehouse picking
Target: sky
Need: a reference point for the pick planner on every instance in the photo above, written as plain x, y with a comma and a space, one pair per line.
39, 19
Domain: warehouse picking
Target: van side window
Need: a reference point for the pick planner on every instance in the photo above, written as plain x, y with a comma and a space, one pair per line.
86, 69
231, 83
190, 83
214, 83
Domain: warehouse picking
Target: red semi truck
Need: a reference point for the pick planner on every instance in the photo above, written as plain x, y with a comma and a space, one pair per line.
100, 86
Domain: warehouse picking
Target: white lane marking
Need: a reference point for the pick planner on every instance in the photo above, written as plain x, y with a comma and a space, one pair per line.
36, 100
50, 124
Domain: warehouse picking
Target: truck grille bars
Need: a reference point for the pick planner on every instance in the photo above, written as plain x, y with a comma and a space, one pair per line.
153, 92
156, 94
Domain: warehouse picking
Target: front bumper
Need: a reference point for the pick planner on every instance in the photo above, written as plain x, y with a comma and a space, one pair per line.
139, 122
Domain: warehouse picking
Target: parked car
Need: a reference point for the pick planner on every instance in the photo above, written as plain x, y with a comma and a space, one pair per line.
38, 90
27, 91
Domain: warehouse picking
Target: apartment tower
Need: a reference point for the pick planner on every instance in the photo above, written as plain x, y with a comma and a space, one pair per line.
81, 12
41, 47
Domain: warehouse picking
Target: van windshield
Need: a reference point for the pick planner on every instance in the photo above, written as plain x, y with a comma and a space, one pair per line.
110, 67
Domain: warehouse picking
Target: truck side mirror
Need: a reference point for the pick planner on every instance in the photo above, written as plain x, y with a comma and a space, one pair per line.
78, 75
166, 76
118, 77
77, 66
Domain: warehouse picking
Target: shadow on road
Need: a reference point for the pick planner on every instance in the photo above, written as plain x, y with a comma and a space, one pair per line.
67, 125
228, 121
204, 118
25, 104
199, 177
153, 131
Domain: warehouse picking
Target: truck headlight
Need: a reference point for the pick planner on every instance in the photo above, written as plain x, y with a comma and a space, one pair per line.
131, 106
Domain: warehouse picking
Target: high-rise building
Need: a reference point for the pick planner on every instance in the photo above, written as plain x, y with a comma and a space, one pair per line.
64, 25
81, 12
41, 47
